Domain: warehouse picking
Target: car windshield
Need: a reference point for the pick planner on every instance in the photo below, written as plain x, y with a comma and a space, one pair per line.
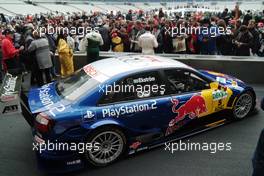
76, 85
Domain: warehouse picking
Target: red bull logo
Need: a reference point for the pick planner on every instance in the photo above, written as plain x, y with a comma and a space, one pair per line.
193, 108
135, 145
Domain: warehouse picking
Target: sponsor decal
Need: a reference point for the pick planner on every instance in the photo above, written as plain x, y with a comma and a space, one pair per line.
135, 145
11, 108
73, 162
8, 89
128, 109
8, 98
90, 70
219, 95
221, 80
152, 58
173, 126
234, 84
10, 85
44, 96
46, 99
88, 115
193, 108
95, 74
144, 60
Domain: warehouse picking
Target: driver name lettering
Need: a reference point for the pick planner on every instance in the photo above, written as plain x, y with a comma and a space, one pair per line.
144, 80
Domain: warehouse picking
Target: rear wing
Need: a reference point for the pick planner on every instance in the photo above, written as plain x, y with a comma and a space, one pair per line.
13, 99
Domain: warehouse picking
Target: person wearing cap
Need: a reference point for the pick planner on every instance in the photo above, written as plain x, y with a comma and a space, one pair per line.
258, 158
147, 41
10, 54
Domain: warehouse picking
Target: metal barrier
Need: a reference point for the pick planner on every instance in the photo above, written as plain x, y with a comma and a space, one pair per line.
249, 69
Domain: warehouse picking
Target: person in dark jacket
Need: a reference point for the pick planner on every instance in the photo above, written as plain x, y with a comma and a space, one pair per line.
236, 13
161, 13
243, 42
224, 14
207, 40
224, 41
167, 37
125, 38
258, 158
52, 47
247, 17
31, 60
129, 15
255, 33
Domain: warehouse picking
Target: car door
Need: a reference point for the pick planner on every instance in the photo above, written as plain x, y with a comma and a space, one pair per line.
191, 97
140, 104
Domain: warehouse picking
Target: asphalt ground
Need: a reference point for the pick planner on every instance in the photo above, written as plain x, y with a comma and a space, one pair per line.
18, 159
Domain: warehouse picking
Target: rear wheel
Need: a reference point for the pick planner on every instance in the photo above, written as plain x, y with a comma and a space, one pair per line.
243, 105
112, 144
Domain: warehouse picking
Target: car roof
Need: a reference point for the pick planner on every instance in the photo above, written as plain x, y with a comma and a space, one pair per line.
126, 64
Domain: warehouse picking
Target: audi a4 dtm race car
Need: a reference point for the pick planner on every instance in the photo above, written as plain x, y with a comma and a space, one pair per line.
123, 105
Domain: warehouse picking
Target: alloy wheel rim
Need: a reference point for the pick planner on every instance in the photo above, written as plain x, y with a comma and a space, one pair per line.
243, 106
110, 147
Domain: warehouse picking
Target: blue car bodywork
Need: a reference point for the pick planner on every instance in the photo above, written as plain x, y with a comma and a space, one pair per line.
143, 121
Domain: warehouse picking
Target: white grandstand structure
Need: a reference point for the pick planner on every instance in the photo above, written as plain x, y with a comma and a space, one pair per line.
30, 7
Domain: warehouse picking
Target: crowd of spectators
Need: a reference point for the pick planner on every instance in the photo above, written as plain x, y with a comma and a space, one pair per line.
30, 41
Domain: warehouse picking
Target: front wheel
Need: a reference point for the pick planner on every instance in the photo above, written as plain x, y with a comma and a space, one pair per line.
112, 144
243, 105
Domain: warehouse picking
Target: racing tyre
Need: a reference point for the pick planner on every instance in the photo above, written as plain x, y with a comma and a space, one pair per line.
111, 144
243, 105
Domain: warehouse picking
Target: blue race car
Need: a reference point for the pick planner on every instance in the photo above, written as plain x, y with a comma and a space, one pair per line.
119, 106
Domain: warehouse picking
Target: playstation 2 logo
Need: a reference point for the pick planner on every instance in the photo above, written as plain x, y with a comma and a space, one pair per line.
89, 115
